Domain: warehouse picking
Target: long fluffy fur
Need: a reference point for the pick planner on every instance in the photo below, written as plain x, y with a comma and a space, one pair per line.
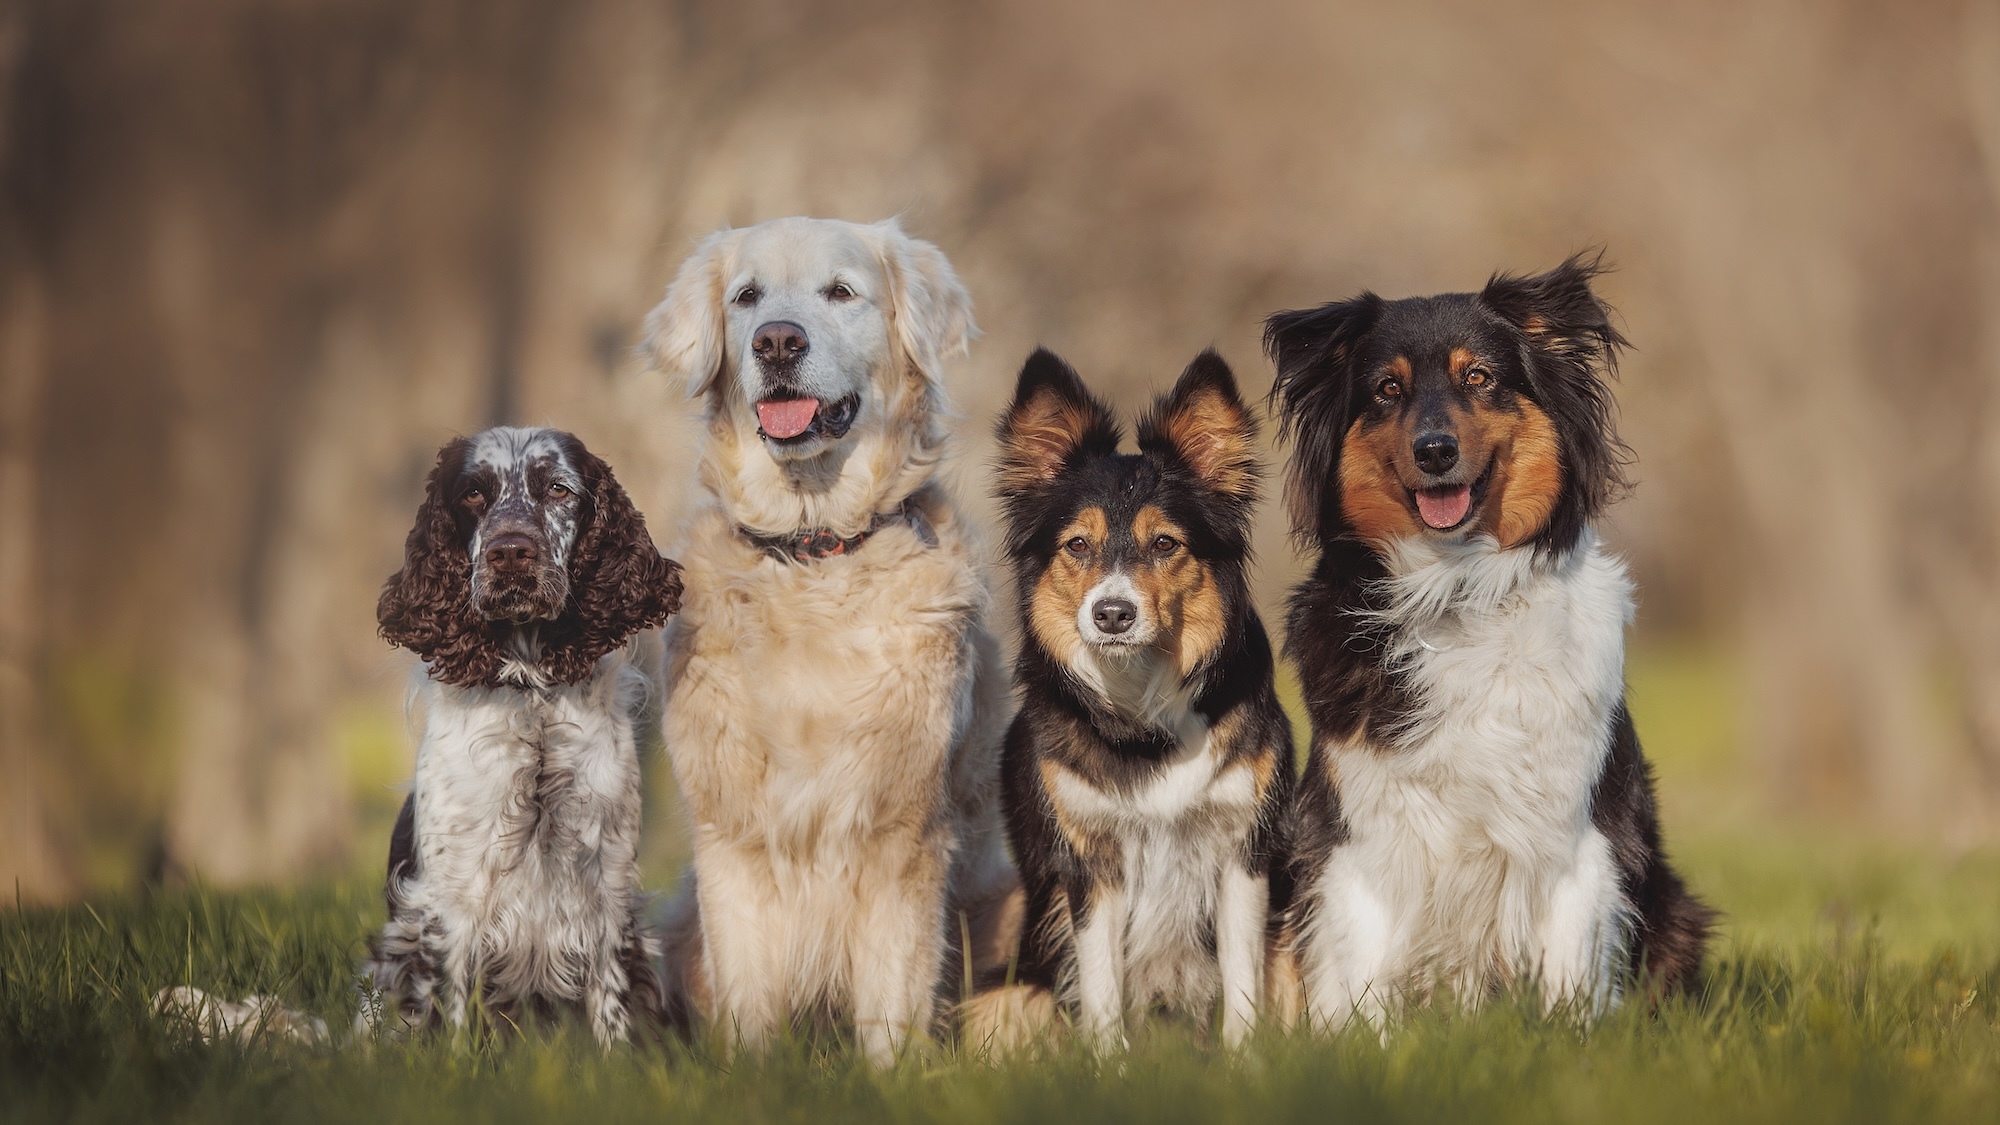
833, 723
1475, 811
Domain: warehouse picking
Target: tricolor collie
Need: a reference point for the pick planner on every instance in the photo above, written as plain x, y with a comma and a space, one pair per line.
513, 875
1149, 769
1475, 811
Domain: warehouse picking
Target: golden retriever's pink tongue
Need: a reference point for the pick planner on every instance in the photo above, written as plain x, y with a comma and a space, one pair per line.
787, 417
1444, 507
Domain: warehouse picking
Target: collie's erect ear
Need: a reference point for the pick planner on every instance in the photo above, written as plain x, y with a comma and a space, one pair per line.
685, 332
1053, 418
426, 607
1313, 350
1570, 348
930, 312
619, 582
1204, 423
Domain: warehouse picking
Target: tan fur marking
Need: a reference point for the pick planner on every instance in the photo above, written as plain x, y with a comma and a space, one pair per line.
1215, 437
1040, 437
1462, 358
1000, 1021
1527, 480
1372, 495
1185, 598
1052, 609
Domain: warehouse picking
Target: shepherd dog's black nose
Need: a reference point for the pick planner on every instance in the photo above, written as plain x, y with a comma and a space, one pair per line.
1436, 453
1113, 615
779, 341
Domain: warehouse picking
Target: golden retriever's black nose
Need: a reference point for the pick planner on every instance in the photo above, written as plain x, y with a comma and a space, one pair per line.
1113, 615
1436, 453
511, 552
779, 341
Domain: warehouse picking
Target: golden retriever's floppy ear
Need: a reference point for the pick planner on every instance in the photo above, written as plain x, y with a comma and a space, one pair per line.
685, 332
1053, 418
930, 311
1204, 424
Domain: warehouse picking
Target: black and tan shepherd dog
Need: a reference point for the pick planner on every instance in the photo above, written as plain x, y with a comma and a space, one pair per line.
1148, 772
1475, 811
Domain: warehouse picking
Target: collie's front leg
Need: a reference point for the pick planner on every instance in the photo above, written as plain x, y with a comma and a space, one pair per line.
1100, 963
1242, 916
1583, 932
1345, 949
742, 936
896, 953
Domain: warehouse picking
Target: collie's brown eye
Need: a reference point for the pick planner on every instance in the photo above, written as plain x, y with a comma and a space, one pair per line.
1165, 544
1077, 546
1477, 376
748, 295
558, 491
839, 291
1389, 388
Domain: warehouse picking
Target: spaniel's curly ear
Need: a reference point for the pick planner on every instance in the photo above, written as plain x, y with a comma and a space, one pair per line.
426, 607
930, 310
685, 332
619, 582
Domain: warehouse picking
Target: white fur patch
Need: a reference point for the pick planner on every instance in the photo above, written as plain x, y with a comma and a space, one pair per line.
1471, 859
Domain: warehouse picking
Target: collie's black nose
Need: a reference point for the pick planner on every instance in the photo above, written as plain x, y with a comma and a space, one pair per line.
1436, 453
780, 341
511, 552
1114, 615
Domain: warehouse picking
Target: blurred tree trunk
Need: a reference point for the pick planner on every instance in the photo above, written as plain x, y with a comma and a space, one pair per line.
1971, 597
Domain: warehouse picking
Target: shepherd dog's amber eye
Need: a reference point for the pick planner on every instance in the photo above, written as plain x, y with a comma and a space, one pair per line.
1077, 546
1165, 545
1477, 377
1389, 388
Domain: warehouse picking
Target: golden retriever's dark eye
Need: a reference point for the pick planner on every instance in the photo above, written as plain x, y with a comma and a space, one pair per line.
1389, 388
839, 291
558, 490
748, 295
1078, 546
1477, 376
1165, 544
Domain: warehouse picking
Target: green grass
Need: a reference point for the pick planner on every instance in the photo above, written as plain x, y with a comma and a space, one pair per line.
1834, 1026
1854, 980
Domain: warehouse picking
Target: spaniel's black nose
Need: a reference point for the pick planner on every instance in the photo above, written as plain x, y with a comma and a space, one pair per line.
780, 341
511, 552
1113, 615
1436, 453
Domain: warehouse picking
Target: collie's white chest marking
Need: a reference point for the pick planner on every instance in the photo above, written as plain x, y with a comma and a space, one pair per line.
1471, 860
1180, 835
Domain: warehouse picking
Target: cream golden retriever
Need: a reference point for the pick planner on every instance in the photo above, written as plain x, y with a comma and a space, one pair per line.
834, 701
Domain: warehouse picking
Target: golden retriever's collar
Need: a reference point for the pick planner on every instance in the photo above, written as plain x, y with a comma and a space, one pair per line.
822, 543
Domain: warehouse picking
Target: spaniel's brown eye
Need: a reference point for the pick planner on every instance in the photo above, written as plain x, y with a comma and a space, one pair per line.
474, 497
1477, 376
1165, 544
558, 491
1389, 388
1078, 546
839, 291
748, 295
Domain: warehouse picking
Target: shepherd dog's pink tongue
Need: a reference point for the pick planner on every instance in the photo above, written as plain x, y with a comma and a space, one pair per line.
1444, 507
787, 417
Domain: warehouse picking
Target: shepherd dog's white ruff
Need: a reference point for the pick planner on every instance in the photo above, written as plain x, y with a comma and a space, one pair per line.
833, 722
1470, 845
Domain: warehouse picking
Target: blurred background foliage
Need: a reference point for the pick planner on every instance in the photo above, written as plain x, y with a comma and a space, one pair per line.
259, 259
